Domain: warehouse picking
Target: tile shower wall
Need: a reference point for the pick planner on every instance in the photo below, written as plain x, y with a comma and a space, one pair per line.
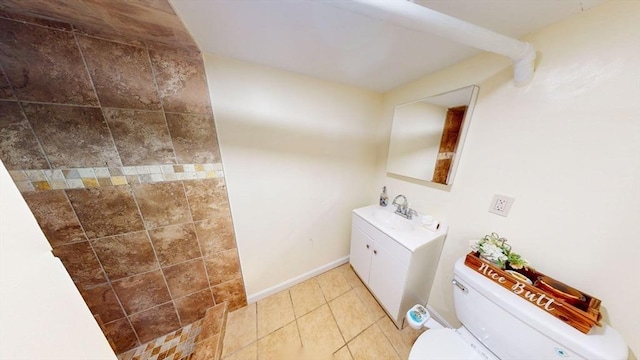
114, 148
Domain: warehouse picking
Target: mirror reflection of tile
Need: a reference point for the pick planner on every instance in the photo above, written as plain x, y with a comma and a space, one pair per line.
427, 135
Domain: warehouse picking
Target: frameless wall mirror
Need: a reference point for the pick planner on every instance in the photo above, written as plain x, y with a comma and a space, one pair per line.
427, 135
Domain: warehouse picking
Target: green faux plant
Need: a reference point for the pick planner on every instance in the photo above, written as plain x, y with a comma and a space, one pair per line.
493, 248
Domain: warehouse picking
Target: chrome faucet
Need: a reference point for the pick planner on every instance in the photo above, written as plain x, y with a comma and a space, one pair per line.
403, 209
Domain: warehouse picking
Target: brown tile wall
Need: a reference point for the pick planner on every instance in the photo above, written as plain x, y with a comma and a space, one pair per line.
148, 257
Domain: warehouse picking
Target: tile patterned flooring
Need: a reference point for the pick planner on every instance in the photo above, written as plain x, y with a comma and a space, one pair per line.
173, 346
331, 316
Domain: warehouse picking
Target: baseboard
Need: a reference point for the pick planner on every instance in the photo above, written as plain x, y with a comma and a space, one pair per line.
295, 281
437, 317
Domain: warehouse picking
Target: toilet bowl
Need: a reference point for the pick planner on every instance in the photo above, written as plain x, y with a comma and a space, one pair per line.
448, 343
497, 324
443, 343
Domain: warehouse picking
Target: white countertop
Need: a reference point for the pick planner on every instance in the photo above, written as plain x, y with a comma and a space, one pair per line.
411, 239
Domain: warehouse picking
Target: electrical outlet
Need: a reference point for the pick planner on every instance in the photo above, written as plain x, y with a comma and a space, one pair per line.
501, 205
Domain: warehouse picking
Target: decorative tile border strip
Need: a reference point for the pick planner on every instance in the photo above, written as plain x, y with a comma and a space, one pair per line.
445, 155
79, 178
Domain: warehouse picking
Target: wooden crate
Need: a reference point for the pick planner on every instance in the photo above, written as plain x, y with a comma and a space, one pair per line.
581, 316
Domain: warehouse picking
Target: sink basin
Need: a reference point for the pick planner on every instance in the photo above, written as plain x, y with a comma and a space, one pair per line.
393, 221
409, 233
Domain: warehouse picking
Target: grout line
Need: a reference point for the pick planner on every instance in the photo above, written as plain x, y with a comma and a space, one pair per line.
154, 75
106, 275
256, 327
35, 136
155, 254
161, 98
223, 329
199, 244
15, 99
54, 104
344, 346
155, 269
113, 140
184, 189
115, 294
151, 308
79, 32
333, 316
200, 250
86, 68
295, 318
387, 337
155, 82
26, 22
166, 283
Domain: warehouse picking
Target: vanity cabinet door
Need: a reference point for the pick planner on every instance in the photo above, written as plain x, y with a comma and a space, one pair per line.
397, 270
382, 264
387, 278
361, 251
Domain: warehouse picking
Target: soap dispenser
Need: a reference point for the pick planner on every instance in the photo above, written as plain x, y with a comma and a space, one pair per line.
384, 198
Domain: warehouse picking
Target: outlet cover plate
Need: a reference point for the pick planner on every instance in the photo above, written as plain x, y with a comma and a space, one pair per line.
501, 204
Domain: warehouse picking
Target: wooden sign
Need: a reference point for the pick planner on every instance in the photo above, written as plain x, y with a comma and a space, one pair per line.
581, 319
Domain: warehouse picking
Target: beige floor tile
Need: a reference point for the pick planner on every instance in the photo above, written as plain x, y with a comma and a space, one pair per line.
249, 352
372, 344
350, 275
319, 332
342, 354
269, 329
240, 330
306, 296
281, 344
351, 314
333, 284
401, 340
374, 309
274, 312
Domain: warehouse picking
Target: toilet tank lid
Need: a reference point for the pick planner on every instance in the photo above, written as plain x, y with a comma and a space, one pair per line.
602, 342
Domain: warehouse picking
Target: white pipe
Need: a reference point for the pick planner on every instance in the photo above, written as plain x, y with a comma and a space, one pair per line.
409, 15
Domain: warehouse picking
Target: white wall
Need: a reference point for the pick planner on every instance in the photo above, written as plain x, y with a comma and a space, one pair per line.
42, 314
299, 154
567, 147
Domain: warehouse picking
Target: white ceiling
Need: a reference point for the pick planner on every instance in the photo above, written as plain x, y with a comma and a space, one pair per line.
324, 40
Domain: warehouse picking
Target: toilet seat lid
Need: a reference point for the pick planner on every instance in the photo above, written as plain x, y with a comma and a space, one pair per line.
443, 344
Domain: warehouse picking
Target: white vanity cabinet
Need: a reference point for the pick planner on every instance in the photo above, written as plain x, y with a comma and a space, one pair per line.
398, 275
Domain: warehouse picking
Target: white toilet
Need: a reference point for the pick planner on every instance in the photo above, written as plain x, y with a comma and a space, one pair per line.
497, 324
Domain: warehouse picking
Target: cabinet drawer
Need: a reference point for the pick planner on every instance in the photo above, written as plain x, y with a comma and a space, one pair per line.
381, 239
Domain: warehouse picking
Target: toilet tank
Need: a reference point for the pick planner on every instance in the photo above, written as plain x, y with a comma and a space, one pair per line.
512, 328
